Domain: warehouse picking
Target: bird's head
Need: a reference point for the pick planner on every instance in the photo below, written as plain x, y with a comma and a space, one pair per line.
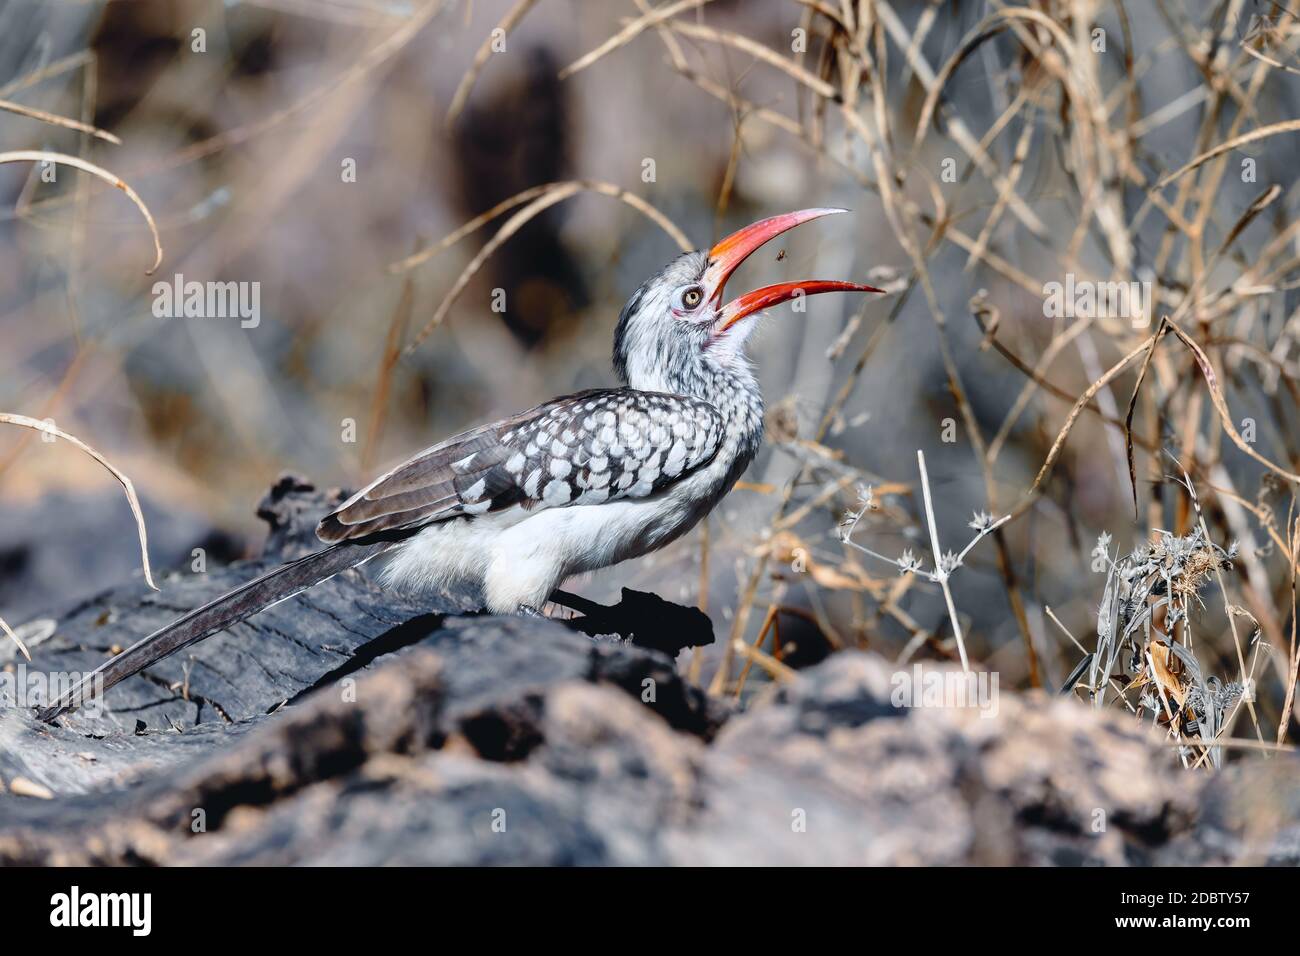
676, 324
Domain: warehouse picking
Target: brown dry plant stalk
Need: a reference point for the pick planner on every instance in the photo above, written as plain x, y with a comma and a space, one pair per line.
1060, 93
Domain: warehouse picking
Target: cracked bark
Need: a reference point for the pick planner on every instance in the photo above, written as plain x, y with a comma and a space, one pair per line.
382, 731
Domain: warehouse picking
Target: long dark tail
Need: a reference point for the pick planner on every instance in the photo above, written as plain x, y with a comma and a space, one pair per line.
258, 594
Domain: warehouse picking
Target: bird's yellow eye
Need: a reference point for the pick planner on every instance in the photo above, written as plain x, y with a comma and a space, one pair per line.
692, 296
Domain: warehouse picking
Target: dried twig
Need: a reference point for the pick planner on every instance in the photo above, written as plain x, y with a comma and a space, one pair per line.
545, 197
49, 429
55, 120
45, 156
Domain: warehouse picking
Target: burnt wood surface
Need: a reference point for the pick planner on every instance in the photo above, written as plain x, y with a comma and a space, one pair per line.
354, 726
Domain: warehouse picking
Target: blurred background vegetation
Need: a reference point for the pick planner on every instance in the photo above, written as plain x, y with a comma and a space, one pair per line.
241, 150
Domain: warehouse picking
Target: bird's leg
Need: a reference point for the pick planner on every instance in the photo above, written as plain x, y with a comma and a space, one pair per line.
563, 598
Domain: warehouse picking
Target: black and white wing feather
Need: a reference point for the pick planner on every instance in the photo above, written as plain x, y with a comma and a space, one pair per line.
588, 448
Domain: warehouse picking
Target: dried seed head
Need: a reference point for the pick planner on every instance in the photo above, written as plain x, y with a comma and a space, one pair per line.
908, 563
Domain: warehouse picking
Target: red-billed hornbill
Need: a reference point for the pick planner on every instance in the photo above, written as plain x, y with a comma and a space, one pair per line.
576, 484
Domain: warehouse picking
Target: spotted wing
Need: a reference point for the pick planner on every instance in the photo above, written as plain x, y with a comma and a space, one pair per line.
595, 446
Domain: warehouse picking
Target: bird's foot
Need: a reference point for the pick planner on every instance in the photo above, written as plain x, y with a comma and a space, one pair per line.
527, 610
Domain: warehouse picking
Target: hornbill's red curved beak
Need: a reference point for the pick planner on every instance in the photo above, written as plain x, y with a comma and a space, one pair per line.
727, 255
